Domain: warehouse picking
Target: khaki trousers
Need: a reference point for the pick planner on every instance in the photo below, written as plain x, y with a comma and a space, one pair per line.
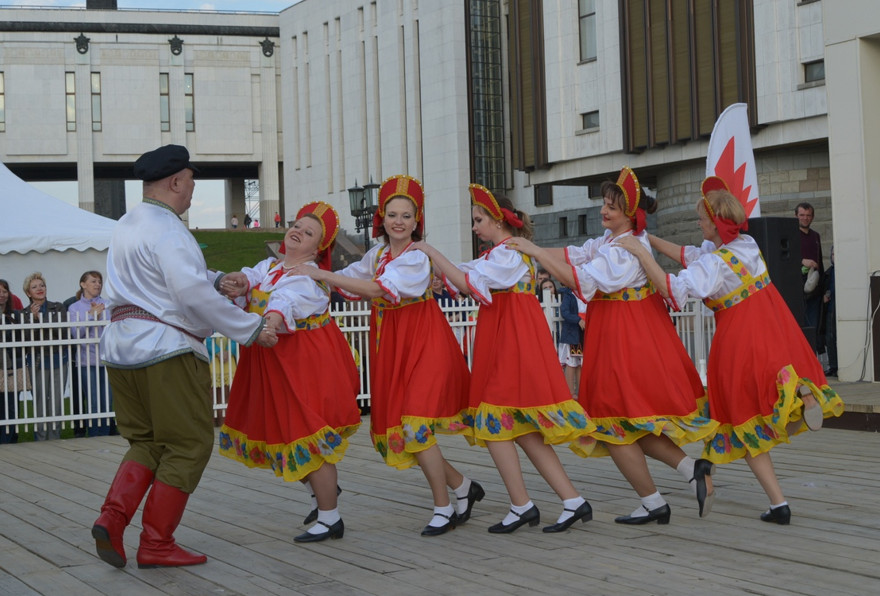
165, 412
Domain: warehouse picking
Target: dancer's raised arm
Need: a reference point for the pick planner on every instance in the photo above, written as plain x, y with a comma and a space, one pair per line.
652, 269
553, 259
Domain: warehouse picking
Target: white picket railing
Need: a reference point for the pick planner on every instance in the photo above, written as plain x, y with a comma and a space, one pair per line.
39, 342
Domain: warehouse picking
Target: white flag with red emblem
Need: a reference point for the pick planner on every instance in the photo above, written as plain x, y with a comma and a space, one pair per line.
731, 158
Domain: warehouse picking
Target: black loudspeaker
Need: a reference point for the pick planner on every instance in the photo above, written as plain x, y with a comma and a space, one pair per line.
780, 242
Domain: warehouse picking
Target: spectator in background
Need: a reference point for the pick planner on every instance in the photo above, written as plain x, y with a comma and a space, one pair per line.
830, 320
7, 407
438, 288
811, 253
47, 363
571, 338
92, 386
540, 277
247, 220
277, 220
15, 300
234, 222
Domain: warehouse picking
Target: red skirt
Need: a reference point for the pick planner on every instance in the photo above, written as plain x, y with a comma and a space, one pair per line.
758, 359
637, 378
418, 381
517, 383
292, 407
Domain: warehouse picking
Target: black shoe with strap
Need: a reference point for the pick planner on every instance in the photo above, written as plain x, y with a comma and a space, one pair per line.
583, 513
335, 531
531, 517
780, 515
451, 521
703, 468
661, 515
313, 514
475, 493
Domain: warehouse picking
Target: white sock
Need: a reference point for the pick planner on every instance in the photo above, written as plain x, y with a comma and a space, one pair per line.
461, 494
569, 507
439, 520
649, 503
686, 468
779, 505
514, 510
329, 517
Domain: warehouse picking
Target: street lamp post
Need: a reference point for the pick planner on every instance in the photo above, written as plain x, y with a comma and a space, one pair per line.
362, 203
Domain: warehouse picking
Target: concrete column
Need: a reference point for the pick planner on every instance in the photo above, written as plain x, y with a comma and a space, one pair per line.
268, 170
234, 201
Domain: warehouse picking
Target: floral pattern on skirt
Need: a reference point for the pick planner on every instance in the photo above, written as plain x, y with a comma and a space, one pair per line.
761, 433
399, 443
558, 423
293, 461
624, 431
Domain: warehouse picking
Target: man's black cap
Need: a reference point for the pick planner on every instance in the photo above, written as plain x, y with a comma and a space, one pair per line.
162, 162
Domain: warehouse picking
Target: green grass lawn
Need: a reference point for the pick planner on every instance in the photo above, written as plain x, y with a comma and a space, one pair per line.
228, 250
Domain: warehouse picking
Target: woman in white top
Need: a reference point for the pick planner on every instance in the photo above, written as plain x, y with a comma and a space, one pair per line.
765, 383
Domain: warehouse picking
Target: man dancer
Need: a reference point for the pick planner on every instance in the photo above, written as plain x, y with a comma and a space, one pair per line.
163, 303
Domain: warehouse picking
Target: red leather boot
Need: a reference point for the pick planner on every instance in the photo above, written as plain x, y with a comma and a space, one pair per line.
162, 514
126, 493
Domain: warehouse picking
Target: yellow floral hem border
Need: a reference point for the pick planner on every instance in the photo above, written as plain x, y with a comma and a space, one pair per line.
292, 461
558, 423
762, 433
399, 444
682, 430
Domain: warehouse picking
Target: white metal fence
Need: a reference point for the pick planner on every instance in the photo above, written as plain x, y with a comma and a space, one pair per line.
61, 393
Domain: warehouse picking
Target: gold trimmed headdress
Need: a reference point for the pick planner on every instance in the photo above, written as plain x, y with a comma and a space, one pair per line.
400, 186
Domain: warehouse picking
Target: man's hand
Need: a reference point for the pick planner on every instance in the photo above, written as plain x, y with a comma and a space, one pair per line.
234, 284
267, 337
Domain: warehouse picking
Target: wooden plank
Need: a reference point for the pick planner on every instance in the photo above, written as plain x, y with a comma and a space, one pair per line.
245, 520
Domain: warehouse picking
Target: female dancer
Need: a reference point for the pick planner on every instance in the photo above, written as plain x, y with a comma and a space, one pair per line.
418, 376
518, 392
765, 383
637, 381
282, 415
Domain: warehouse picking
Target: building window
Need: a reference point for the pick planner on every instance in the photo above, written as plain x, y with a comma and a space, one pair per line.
590, 120
189, 102
486, 88
164, 103
96, 101
70, 97
587, 21
682, 64
543, 195
563, 227
582, 224
814, 71
2, 104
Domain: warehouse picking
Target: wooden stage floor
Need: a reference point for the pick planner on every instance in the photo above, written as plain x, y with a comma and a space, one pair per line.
244, 520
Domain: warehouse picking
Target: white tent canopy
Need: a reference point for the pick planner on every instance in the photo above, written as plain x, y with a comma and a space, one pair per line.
41, 233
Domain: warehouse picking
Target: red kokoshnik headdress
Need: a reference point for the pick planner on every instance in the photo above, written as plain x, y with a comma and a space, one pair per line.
400, 186
727, 229
629, 186
480, 195
329, 224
